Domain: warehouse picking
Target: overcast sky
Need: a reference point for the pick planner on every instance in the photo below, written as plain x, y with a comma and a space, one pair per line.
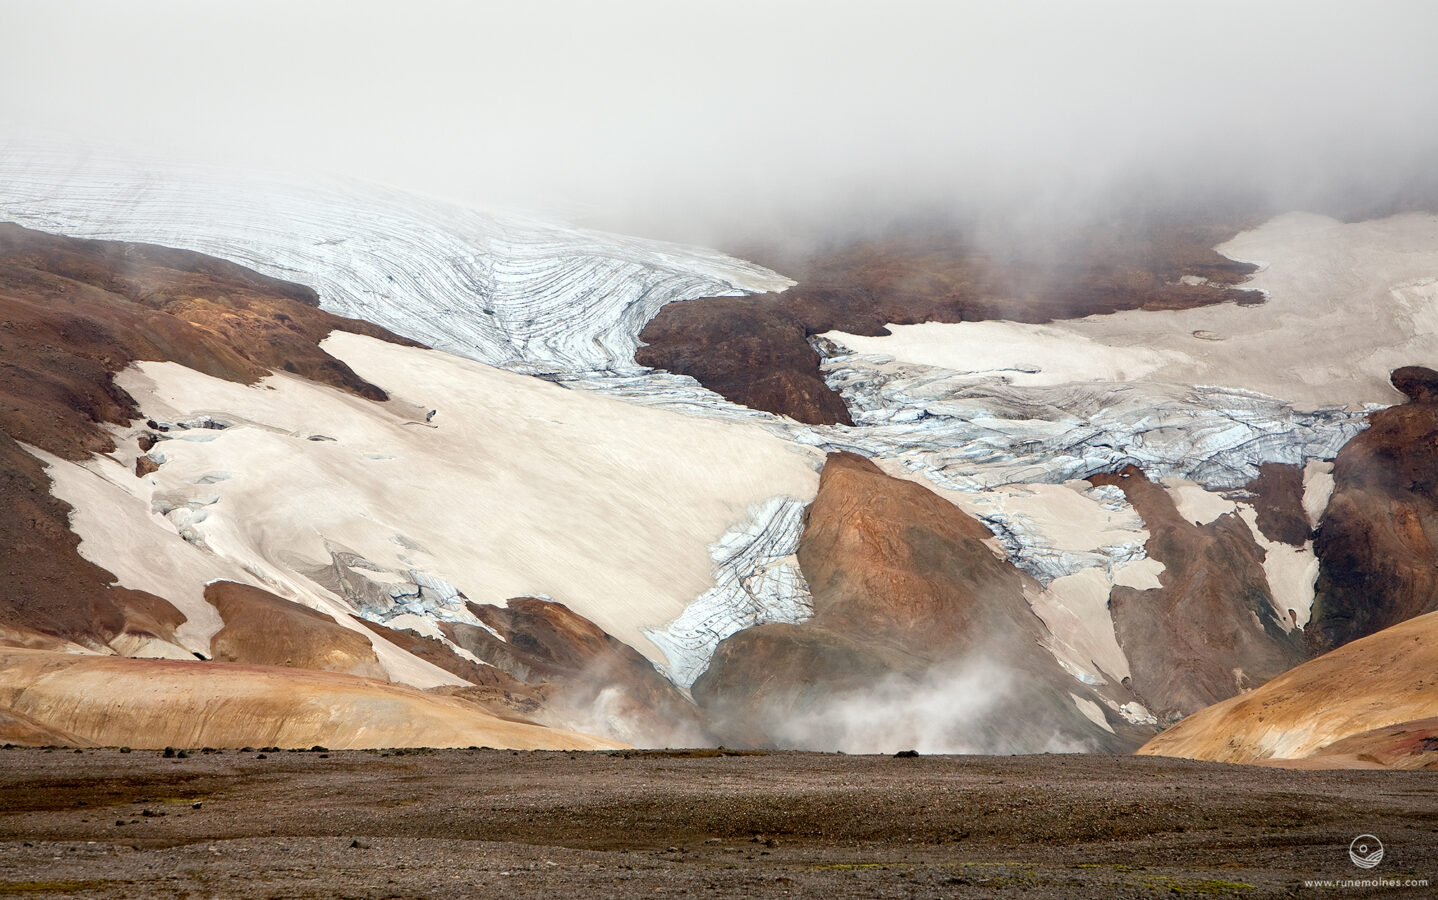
697, 120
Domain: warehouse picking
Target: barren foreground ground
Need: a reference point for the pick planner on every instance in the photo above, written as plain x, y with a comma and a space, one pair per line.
102, 823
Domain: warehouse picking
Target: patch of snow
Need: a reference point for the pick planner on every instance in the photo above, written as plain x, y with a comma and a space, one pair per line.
1196, 504
1025, 354
1291, 573
1317, 489
1092, 711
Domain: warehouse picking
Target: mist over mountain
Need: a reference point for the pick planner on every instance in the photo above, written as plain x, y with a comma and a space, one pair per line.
727, 123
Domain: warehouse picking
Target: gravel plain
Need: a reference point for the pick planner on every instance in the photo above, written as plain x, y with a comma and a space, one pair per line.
455, 823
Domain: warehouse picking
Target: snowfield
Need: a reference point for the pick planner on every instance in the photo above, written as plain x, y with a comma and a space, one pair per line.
515, 487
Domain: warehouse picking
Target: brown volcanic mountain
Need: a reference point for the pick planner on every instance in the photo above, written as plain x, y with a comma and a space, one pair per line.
74, 313
920, 632
1378, 539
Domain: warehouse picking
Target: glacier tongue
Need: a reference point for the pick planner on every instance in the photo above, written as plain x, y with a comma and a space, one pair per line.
972, 435
499, 288
757, 581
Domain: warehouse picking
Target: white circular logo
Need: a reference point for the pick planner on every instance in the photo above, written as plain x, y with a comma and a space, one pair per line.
1366, 851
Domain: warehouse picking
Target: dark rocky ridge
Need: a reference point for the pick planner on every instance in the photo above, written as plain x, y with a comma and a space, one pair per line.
755, 350
1192, 642
1277, 496
1377, 542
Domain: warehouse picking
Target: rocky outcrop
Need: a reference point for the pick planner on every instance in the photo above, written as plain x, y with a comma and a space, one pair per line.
262, 629
153, 703
47, 590
591, 680
750, 350
757, 351
1375, 682
1277, 497
1211, 630
1418, 383
1377, 542
920, 633
490, 688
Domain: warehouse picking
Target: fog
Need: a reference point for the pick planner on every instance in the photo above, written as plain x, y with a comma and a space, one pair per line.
727, 122
966, 705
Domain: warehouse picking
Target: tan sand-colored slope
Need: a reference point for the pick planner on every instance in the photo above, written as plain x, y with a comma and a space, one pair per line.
1377, 681
104, 700
264, 630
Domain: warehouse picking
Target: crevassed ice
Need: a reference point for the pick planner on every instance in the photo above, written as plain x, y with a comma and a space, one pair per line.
756, 581
499, 288
971, 436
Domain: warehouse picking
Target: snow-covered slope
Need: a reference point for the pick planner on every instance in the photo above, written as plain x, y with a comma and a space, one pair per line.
500, 288
514, 487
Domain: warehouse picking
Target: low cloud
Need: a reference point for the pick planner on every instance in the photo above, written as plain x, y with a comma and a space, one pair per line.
968, 706
745, 120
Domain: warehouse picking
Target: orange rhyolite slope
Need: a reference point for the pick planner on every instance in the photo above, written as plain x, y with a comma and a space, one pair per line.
1381, 680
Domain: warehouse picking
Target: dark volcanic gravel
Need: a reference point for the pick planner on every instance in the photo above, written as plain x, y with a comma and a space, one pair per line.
483, 823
